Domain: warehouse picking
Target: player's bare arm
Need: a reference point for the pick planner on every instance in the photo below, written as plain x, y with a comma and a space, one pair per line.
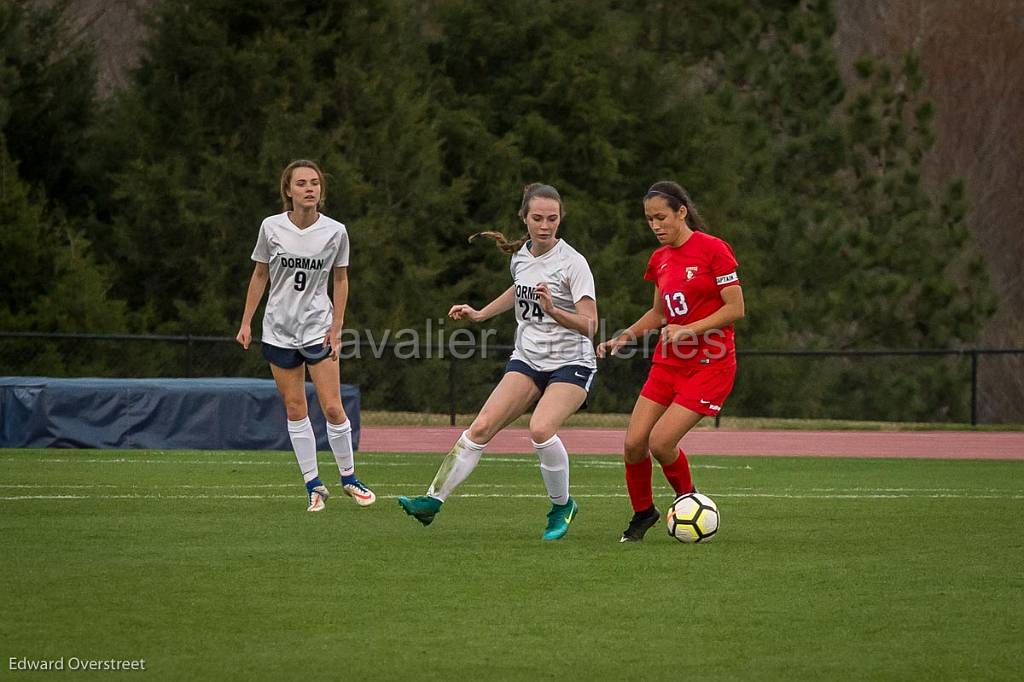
584, 320
501, 304
652, 319
731, 311
340, 303
257, 285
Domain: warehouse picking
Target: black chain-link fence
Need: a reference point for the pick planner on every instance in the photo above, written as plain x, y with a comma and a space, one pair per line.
878, 385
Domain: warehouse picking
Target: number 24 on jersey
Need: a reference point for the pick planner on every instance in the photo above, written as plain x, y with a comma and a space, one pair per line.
528, 307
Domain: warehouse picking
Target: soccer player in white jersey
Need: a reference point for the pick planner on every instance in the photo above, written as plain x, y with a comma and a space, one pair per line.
298, 252
553, 363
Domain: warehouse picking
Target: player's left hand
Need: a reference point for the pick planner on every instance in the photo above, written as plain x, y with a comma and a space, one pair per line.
675, 333
244, 336
333, 341
544, 297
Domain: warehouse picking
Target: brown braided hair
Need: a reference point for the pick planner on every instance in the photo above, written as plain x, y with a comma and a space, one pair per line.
530, 192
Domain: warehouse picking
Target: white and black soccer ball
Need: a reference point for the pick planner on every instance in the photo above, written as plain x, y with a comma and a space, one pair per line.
693, 517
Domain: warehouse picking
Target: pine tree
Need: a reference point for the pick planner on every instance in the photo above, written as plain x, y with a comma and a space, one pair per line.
49, 282
430, 118
842, 245
224, 98
47, 94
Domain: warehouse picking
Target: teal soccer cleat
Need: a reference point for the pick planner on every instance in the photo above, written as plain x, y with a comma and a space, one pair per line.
424, 507
559, 518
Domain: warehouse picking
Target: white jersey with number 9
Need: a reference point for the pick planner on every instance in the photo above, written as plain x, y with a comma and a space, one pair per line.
299, 310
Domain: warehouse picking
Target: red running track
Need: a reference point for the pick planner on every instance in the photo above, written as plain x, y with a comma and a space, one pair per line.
919, 444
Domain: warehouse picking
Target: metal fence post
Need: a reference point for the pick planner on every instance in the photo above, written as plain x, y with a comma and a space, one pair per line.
451, 390
974, 387
188, 355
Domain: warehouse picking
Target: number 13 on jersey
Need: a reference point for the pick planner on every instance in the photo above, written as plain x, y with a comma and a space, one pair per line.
675, 304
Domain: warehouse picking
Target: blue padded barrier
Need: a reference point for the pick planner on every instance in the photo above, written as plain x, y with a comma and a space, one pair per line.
163, 414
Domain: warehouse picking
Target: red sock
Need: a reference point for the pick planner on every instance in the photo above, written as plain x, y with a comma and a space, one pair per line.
678, 475
638, 483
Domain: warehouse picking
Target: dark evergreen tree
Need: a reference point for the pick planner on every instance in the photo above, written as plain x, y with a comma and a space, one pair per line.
430, 118
47, 94
49, 282
49, 279
840, 244
225, 97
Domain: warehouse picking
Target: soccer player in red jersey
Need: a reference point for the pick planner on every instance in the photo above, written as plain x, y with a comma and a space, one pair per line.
697, 297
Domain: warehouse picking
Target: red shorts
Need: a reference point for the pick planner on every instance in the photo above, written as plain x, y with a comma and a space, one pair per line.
702, 390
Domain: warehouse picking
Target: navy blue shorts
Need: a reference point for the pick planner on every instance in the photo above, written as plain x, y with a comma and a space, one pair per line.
577, 375
290, 358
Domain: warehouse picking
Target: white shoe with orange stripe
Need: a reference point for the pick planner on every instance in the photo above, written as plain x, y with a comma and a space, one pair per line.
363, 496
317, 497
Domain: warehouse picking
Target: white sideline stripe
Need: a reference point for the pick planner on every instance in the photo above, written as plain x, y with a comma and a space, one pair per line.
517, 496
142, 461
748, 492
285, 460
888, 490
42, 486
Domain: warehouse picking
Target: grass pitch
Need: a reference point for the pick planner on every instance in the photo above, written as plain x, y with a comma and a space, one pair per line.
206, 565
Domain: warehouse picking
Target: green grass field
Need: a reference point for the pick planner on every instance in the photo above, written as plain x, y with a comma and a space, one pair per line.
206, 565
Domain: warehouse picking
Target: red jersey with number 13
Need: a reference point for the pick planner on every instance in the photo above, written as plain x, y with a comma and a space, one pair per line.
690, 278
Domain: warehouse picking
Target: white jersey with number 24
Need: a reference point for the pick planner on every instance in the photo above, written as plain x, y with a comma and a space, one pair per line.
541, 342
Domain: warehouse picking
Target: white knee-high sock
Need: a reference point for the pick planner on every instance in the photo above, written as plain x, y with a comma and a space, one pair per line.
304, 443
340, 438
554, 468
458, 464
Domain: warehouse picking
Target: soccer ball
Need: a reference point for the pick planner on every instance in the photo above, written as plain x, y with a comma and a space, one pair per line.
693, 517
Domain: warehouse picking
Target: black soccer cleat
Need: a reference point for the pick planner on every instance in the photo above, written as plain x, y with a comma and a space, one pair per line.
640, 524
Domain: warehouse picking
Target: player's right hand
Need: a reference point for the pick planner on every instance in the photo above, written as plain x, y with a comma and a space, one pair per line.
610, 347
244, 337
461, 310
